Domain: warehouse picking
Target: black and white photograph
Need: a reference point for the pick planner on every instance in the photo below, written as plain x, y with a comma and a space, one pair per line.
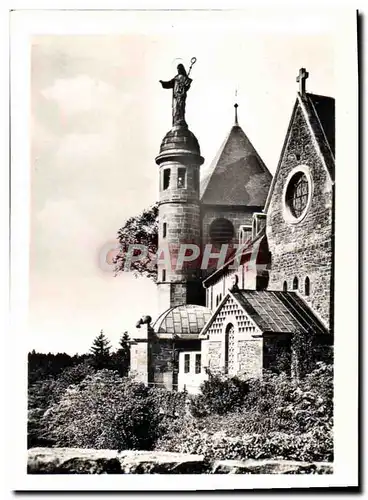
182, 196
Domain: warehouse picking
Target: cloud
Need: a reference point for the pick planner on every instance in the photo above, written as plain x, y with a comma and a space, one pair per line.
81, 94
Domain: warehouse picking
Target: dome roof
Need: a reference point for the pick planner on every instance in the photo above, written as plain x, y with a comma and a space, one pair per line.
182, 139
184, 319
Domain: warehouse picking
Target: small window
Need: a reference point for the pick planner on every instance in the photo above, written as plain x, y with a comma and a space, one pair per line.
164, 275
245, 234
198, 363
181, 177
186, 363
166, 178
307, 286
284, 286
295, 283
196, 181
164, 229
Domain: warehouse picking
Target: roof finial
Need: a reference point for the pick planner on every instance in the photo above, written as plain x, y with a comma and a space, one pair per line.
236, 107
236, 113
303, 75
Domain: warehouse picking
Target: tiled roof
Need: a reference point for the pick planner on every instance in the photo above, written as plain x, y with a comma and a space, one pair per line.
184, 319
237, 175
325, 109
279, 312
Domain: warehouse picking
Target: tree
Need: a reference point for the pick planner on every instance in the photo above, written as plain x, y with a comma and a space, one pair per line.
121, 358
104, 411
139, 230
101, 357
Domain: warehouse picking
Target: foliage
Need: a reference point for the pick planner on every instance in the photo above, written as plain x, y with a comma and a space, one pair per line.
100, 350
278, 417
219, 394
141, 230
311, 446
44, 393
104, 411
120, 360
42, 366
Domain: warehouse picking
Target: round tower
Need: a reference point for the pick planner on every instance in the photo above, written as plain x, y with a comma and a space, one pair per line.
179, 163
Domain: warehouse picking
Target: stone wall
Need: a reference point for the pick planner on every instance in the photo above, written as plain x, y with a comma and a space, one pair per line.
250, 357
236, 216
214, 353
303, 249
163, 362
89, 461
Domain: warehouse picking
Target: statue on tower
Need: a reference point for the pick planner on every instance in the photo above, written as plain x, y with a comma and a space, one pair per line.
180, 85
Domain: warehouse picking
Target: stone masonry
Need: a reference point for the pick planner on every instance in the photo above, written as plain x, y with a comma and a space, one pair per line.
305, 249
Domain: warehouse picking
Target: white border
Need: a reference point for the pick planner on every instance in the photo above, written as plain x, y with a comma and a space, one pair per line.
346, 353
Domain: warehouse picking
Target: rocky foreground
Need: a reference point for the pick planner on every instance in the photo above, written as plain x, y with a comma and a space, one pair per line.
89, 461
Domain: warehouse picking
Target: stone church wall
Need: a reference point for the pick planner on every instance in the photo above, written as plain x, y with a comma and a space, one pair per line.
250, 357
236, 217
303, 249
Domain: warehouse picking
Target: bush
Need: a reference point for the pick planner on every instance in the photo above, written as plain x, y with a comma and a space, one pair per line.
275, 417
311, 446
104, 411
219, 394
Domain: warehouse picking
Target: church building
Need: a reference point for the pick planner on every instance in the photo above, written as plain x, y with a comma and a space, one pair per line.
275, 283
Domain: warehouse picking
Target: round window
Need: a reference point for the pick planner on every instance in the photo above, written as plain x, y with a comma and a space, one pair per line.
221, 231
297, 195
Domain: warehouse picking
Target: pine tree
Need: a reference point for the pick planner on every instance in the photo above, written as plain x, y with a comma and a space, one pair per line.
100, 350
121, 358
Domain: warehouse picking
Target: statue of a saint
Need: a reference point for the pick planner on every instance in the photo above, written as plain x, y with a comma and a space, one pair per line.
180, 85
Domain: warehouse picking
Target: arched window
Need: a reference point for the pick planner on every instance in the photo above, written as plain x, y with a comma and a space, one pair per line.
284, 286
307, 286
221, 231
229, 334
164, 230
295, 283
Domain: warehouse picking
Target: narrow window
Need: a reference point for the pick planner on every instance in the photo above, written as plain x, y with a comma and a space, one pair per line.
166, 178
284, 286
307, 287
198, 363
229, 330
196, 181
181, 177
164, 229
295, 283
186, 363
164, 275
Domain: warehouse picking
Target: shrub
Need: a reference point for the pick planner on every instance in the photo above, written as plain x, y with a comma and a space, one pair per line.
104, 411
277, 418
219, 394
314, 445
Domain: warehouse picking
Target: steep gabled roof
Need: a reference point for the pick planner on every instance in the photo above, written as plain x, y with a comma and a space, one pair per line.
279, 312
274, 312
237, 175
319, 113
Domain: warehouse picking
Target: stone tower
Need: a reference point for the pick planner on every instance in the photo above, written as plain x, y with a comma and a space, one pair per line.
179, 163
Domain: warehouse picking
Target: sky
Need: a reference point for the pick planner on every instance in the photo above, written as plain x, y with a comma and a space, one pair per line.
98, 115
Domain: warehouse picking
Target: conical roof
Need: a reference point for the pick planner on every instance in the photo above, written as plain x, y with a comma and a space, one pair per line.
237, 175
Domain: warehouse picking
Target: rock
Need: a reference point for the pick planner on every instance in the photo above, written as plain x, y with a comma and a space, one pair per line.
88, 461
161, 462
72, 461
270, 467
